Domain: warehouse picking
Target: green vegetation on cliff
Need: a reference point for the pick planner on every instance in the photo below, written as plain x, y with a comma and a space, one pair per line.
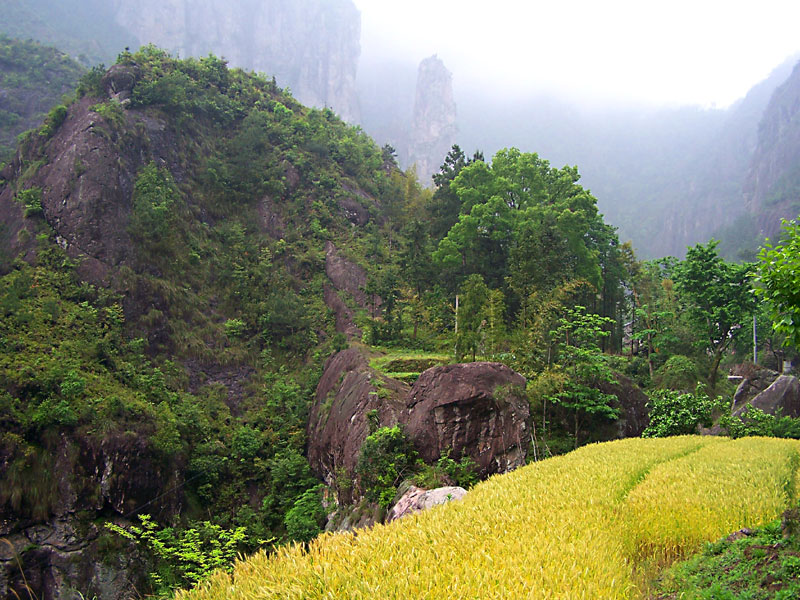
33, 78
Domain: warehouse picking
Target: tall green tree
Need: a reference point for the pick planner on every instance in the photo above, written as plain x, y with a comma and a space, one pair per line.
779, 282
473, 317
583, 366
717, 299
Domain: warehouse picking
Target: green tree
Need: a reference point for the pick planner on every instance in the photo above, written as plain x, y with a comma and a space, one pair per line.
679, 413
385, 459
584, 367
779, 282
717, 299
305, 519
473, 316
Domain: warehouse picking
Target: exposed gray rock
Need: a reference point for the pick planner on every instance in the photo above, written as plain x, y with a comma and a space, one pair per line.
632, 404
119, 80
338, 424
755, 381
782, 396
472, 409
433, 126
348, 277
770, 190
417, 499
475, 409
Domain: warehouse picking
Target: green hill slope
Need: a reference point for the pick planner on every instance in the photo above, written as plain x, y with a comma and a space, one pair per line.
163, 324
33, 78
592, 524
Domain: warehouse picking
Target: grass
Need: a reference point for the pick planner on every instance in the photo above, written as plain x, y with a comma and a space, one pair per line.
567, 527
407, 365
757, 564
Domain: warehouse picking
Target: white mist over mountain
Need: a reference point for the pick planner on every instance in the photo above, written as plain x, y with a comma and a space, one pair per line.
699, 52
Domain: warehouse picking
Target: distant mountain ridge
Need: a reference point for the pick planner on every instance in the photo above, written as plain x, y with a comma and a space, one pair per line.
772, 187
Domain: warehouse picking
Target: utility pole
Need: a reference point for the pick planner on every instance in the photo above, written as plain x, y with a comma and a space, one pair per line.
456, 315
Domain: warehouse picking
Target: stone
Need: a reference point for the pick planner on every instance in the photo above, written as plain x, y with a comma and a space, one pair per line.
782, 396
473, 409
632, 404
417, 499
338, 424
433, 126
119, 80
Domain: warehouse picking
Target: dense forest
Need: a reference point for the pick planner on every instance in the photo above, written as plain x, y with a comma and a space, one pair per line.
167, 314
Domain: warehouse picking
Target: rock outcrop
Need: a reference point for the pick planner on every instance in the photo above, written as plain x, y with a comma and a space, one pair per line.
311, 46
433, 126
631, 401
348, 277
338, 423
772, 187
119, 475
781, 397
476, 409
417, 499
755, 380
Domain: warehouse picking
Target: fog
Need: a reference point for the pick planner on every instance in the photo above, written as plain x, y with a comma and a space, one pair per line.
701, 52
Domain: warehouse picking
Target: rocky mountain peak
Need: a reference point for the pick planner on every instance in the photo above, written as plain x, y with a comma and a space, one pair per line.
433, 126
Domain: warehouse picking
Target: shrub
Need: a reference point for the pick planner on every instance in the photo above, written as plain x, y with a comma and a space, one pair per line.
755, 421
305, 519
31, 200
676, 413
386, 458
235, 328
678, 373
55, 118
184, 557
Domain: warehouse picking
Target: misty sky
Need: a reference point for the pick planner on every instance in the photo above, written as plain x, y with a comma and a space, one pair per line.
677, 52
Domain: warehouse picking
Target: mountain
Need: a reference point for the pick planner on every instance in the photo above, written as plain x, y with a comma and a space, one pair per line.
652, 170
311, 46
33, 78
162, 265
772, 186
433, 124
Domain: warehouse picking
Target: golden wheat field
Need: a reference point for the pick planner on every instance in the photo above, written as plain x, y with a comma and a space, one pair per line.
593, 524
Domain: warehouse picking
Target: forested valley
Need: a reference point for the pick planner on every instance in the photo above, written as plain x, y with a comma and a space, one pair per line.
187, 251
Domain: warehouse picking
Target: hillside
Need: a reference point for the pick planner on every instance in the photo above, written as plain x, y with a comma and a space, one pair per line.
597, 523
33, 78
162, 342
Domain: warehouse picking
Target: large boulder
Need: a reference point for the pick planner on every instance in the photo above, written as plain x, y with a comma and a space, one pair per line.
631, 402
477, 409
782, 396
474, 409
754, 381
338, 422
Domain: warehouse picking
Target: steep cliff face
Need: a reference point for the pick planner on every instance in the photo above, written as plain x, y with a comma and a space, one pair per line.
772, 188
312, 46
433, 126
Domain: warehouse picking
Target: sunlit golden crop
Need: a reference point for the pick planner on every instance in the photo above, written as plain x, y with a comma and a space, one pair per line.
587, 525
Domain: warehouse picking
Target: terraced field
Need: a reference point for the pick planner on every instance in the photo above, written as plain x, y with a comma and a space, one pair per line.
594, 524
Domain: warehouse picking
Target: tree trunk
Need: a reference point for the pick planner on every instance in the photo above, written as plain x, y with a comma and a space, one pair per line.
712, 376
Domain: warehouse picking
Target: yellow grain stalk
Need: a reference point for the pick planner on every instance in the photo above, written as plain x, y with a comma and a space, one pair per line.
573, 527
